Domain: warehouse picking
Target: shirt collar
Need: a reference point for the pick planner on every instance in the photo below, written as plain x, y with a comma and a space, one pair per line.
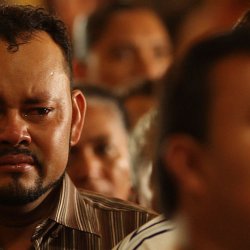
75, 211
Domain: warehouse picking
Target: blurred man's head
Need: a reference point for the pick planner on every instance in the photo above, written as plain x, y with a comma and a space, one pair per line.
100, 161
39, 116
204, 164
126, 44
68, 10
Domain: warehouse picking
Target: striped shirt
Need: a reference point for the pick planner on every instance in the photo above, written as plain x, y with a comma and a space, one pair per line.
157, 234
83, 220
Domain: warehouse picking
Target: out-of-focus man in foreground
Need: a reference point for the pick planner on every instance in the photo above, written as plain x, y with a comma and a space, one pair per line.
204, 162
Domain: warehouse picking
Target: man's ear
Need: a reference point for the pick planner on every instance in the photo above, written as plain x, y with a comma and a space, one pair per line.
183, 157
78, 114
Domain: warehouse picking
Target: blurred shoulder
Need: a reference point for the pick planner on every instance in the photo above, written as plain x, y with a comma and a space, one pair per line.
154, 233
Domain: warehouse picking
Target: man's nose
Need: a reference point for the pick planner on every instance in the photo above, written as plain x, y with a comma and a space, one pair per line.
147, 68
14, 130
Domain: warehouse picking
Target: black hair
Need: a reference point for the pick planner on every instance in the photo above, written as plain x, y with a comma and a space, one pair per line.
93, 91
99, 20
20, 23
186, 100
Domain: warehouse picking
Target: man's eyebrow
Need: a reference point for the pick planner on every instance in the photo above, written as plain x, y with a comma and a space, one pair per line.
39, 99
36, 99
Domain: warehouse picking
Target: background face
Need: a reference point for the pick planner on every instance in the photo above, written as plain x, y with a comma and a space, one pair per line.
35, 115
100, 160
227, 172
134, 46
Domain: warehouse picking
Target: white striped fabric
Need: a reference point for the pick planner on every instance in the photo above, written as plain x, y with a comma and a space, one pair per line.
154, 235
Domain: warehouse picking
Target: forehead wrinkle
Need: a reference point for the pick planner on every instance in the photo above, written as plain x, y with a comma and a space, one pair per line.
44, 51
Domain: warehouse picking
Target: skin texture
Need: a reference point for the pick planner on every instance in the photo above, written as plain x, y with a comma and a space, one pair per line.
100, 160
229, 178
39, 115
127, 53
216, 175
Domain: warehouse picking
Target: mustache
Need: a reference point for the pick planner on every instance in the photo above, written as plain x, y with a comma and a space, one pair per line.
22, 151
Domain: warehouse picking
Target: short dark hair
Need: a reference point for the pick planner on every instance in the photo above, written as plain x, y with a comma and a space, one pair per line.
93, 91
186, 101
19, 23
99, 20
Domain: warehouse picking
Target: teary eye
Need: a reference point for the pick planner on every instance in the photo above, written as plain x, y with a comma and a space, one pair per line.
38, 111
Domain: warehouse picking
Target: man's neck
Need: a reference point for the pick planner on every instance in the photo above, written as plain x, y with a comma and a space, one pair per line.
198, 240
18, 216
199, 234
16, 238
18, 223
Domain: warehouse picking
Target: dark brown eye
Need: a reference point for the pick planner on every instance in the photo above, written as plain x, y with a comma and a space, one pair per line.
40, 111
101, 148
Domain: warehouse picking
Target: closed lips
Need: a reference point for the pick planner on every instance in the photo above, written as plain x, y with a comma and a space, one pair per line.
16, 159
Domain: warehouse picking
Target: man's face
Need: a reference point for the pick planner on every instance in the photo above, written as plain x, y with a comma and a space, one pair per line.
227, 171
133, 47
100, 160
35, 119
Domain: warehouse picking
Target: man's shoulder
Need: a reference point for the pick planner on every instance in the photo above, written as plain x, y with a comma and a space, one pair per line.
113, 217
104, 203
154, 226
95, 218
153, 234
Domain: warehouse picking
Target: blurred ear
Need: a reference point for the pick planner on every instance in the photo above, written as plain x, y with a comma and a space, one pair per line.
78, 114
183, 157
